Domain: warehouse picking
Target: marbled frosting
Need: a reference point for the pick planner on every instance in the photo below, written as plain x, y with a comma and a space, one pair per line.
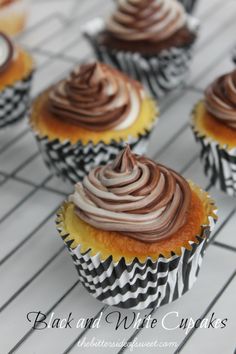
220, 99
97, 97
134, 196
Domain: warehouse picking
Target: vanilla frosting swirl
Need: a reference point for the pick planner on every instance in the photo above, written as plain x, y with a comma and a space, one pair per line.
134, 196
146, 20
97, 97
220, 99
6, 51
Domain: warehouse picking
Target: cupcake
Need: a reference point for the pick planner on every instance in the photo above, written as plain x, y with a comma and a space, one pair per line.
151, 40
16, 69
13, 15
87, 118
214, 127
136, 231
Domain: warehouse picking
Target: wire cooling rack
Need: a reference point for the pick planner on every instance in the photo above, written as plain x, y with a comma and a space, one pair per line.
36, 272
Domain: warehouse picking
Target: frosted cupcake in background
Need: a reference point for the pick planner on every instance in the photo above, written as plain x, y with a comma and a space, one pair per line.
13, 15
151, 40
16, 70
214, 126
136, 231
87, 118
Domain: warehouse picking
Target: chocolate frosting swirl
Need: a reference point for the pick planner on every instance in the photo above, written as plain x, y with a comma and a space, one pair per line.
97, 97
134, 196
220, 99
5, 2
146, 20
6, 51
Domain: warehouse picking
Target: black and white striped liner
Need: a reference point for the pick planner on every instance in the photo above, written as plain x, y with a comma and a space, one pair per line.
138, 285
234, 55
219, 163
14, 101
189, 5
159, 74
73, 161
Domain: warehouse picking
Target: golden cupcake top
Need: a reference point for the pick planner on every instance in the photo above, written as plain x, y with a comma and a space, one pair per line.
134, 196
220, 99
15, 63
6, 52
146, 20
97, 97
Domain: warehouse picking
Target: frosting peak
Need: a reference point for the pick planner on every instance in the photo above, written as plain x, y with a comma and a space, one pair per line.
134, 196
125, 161
152, 20
97, 97
220, 99
6, 51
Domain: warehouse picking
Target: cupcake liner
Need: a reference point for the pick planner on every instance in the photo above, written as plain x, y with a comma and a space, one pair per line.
74, 161
219, 162
234, 55
138, 285
14, 101
159, 74
189, 5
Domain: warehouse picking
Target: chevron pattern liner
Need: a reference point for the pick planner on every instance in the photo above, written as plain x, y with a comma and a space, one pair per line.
139, 285
73, 161
219, 163
14, 101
